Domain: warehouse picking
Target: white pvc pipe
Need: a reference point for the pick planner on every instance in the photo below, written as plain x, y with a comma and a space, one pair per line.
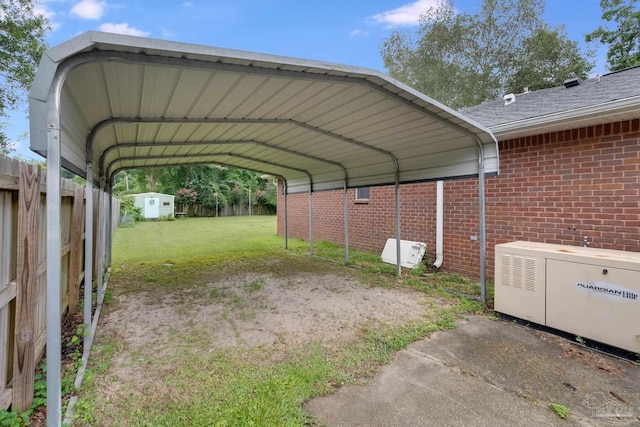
439, 223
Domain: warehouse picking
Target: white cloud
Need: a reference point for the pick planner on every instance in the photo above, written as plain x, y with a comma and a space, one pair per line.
187, 4
123, 28
359, 33
167, 33
409, 14
42, 10
48, 14
89, 9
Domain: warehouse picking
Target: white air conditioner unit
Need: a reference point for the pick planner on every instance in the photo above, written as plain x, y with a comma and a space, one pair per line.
589, 292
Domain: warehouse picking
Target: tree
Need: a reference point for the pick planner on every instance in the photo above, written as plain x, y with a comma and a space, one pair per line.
555, 57
463, 59
21, 46
623, 39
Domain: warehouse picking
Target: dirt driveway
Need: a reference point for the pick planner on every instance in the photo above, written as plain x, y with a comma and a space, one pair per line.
253, 309
208, 348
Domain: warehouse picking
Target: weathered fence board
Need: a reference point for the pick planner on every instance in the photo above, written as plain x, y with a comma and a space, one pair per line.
25, 338
23, 271
76, 249
7, 295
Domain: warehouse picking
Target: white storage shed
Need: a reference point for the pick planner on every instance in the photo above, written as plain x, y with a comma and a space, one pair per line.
154, 205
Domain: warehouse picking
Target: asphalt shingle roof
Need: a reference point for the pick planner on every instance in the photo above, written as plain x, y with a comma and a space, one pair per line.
609, 87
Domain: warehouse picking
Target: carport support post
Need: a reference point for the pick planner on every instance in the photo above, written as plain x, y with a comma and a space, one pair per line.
100, 237
109, 227
398, 261
346, 226
482, 221
310, 220
88, 258
286, 219
54, 403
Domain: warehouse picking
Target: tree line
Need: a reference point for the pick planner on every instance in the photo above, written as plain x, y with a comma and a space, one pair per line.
209, 186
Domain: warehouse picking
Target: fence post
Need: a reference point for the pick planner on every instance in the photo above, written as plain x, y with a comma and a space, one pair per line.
27, 265
76, 247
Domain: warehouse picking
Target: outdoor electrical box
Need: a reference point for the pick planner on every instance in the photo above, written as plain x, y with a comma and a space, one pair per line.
592, 293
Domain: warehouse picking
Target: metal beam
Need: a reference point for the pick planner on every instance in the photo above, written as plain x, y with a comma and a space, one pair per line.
88, 261
483, 227
212, 120
54, 334
202, 156
310, 222
398, 251
208, 143
286, 222
346, 225
113, 174
101, 238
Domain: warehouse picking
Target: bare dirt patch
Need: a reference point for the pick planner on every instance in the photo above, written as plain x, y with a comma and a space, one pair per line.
260, 310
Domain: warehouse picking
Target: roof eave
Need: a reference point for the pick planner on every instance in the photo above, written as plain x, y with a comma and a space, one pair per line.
617, 110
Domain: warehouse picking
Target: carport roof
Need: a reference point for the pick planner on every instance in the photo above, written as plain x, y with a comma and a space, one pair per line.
130, 102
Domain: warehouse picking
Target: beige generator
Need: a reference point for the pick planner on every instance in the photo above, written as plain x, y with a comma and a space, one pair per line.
592, 293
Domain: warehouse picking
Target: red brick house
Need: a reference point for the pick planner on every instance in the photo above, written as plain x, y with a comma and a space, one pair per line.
569, 169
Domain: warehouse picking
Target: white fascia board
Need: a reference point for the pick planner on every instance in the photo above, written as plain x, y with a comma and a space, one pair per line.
570, 119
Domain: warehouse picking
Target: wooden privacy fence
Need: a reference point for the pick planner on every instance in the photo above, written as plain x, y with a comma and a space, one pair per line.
23, 270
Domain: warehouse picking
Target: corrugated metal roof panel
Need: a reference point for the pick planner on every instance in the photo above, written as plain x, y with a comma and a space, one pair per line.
309, 122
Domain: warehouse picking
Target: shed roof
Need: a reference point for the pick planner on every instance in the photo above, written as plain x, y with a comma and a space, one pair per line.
152, 193
130, 102
602, 99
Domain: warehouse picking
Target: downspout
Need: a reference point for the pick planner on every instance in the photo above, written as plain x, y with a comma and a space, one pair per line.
439, 223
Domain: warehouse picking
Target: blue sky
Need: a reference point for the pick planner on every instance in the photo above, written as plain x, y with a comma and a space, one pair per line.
347, 31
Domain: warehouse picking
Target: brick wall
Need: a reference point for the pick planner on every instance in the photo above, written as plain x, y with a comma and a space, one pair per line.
555, 188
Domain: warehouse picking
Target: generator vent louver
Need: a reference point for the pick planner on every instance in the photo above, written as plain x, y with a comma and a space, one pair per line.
519, 272
506, 270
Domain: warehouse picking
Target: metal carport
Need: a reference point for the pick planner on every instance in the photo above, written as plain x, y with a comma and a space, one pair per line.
101, 103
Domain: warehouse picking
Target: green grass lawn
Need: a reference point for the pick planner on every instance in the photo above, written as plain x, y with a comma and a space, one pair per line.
241, 385
195, 237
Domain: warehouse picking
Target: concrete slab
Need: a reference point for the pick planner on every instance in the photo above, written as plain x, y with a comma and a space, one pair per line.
490, 373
